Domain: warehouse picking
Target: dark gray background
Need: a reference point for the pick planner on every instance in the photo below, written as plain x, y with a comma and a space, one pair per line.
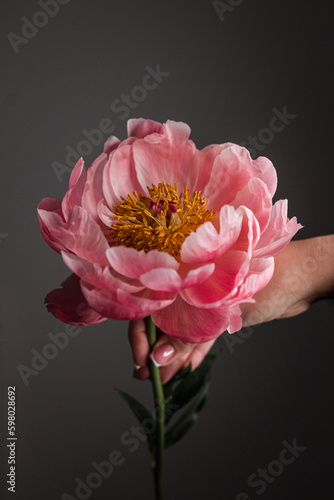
225, 77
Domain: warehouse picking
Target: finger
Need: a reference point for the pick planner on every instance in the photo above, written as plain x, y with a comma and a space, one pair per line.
198, 354
142, 373
138, 341
168, 350
168, 371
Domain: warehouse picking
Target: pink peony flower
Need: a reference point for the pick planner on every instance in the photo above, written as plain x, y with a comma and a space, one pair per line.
157, 227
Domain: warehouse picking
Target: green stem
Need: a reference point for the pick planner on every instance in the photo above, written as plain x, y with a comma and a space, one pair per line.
159, 404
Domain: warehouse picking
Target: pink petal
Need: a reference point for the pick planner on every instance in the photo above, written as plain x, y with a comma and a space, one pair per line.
235, 323
133, 263
100, 277
201, 245
107, 186
50, 214
206, 244
231, 269
206, 159
93, 191
105, 215
279, 232
111, 143
260, 273
80, 235
146, 300
256, 197
51, 205
177, 131
250, 232
73, 196
106, 303
265, 170
170, 158
191, 324
119, 176
121, 305
139, 127
231, 171
69, 305
169, 280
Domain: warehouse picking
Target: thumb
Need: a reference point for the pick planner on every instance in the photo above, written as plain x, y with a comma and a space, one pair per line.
168, 350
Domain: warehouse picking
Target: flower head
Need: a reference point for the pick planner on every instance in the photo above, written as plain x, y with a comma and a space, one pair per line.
158, 227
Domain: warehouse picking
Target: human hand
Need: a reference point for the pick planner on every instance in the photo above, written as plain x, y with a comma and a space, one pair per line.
304, 273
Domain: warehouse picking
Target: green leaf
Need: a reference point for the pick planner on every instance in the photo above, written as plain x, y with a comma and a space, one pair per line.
141, 413
169, 386
187, 419
191, 384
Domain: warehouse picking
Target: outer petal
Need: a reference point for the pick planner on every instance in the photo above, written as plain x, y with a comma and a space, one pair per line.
73, 196
93, 190
279, 232
206, 159
140, 128
111, 143
191, 324
133, 263
80, 235
69, 305
235, 323
106, 303
50, 214
177, 131
122, 305
206, 243
231, 171
169, 280
100, 277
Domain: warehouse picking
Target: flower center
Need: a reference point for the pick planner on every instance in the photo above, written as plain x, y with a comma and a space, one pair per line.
161, 221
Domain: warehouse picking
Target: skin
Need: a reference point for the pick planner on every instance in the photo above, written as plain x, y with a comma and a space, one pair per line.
304, 273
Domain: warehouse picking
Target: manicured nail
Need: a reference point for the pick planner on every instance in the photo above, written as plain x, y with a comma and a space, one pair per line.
137, 367
162, 354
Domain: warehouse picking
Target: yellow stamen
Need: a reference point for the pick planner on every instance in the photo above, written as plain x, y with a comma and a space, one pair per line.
161, 222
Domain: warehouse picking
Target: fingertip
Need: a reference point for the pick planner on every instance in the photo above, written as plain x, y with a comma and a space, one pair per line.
141, 373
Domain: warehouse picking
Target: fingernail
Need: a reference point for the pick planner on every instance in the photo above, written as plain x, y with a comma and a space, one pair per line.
162, 354
137, 367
